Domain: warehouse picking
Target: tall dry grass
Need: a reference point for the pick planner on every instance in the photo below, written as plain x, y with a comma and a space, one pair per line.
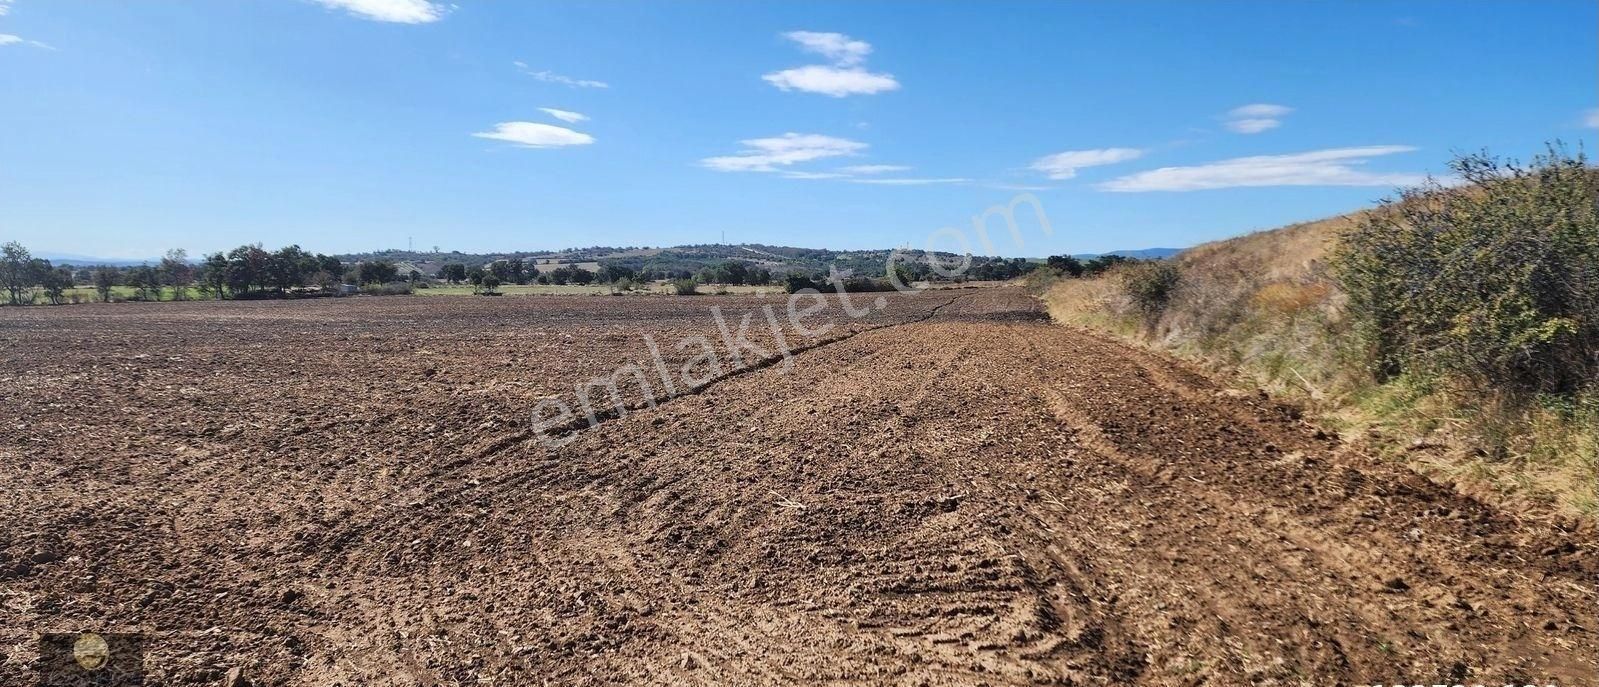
1264, 309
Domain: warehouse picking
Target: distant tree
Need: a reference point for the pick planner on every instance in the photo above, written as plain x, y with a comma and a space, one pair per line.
145, 282
561, 275
176, 272
247, 269
476, 276
453, 272
489, 284
1066, 265
288, 268
16, 271
55, 283
105, 277
377, 272
1103, 263
581, 276
331, 265
213, 276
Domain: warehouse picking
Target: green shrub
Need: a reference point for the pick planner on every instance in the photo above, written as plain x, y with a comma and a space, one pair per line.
1150, 285
1495, 283
685, 287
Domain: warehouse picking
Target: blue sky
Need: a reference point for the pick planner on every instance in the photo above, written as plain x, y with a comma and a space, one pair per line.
345, 125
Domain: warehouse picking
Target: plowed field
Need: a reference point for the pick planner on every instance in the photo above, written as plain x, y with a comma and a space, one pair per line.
944, 490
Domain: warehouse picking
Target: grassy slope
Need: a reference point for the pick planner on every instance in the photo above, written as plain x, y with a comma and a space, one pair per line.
1262, 307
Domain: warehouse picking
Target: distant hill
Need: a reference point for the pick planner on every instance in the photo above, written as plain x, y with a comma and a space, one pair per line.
78, 260
692, 258
1142, 254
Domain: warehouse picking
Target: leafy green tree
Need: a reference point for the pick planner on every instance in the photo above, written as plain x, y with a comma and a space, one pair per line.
16, 270
176, 273
145, 282
377, 272
213, 275
55, 283
105, 277
453, 272
1066, 265
247, 269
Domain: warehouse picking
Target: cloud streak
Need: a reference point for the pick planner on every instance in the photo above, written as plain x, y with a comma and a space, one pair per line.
10, 39
552, 77
536, 135
1330, 167
1064, 165
1256, 117
394, 11
845, 76
567, 116
772, 154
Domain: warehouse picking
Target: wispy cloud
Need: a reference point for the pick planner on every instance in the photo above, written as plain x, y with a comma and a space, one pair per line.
846, 74
536, 135
1256, 117
567, 116
1331, 167
5, 7
9, 39
837, 47
1592, 118
551, 77
397, 11
771, 154
1064, 165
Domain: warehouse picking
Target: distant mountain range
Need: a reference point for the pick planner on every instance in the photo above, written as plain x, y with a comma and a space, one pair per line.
78, 260
1144, 254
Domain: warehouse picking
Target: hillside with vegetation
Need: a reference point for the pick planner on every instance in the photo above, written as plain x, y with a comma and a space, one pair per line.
1456, 329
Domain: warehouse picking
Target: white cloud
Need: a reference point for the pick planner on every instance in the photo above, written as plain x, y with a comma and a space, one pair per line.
9, 39
845, 76
1592, 118
551, 77
873, 169
1065, 165
1262, 110
768, 154
535, 135
5, 7
397, 11
832, 81
837, 47
1252, 127
1256, 117
1331, 167
567, 116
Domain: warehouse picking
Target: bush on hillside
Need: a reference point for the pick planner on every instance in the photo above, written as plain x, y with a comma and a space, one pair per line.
1496, 283
1151, 285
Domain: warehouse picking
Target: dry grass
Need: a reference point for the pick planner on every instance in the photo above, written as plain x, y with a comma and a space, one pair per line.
1263, 309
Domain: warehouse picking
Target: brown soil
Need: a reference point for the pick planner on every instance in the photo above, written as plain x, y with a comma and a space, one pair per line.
948, 491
